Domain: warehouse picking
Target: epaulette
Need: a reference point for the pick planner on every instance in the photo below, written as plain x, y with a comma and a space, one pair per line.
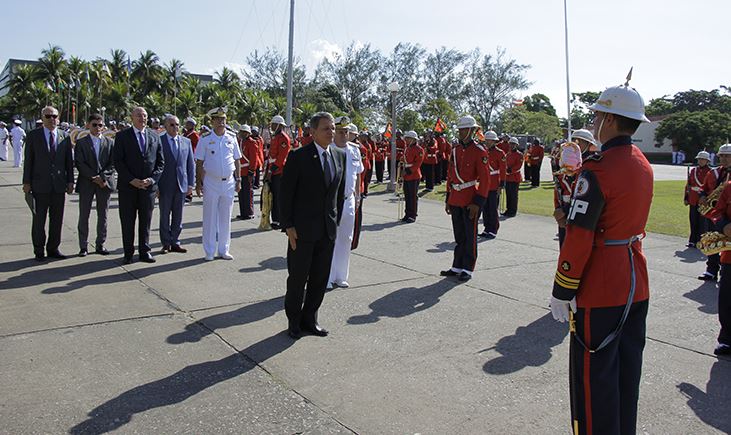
480, 147
208, 133
596, 157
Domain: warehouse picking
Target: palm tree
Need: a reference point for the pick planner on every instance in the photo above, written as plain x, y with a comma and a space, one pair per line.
118, 100
146, 73
51, 67
118, 65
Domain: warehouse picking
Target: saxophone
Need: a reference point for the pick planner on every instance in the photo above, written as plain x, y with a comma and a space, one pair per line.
712, 199
714, 243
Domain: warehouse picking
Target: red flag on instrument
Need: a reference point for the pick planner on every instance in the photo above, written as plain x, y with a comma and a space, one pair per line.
299, 131
479, 135
440, 126
387, 134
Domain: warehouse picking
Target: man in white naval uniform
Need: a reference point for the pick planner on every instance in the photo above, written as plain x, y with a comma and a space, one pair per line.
217, 174
17, 138
4, 140
340, 265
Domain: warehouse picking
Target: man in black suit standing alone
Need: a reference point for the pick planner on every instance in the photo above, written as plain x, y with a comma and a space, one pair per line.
311, 203
139, 161
93, 157
48, 173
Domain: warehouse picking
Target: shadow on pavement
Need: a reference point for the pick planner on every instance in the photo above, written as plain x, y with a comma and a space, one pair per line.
274, 263
381, 226
690, 255
177, 387
53, 271
442, 247
531, 345
706, 295
405, 302
125, 275
711, 406
241, 316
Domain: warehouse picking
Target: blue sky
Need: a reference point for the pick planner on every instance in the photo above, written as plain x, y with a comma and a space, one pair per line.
673, 45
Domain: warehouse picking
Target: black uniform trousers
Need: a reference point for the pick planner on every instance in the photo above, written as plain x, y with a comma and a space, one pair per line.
308, 265
246, 197
490, 217
390, 175
367, 175
257, 178
379, 170
465, 235
696, 224
411, 188
49, 205
511, 198
605, 385
428, 171
438, 173
535, 175
136, 204
724, 305
357, 226
274, 186
445, 168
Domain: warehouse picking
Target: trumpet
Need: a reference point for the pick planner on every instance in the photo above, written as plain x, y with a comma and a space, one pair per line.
713, 243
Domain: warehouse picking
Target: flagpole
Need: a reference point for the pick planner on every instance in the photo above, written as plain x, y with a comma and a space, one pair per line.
288, 115
568, 87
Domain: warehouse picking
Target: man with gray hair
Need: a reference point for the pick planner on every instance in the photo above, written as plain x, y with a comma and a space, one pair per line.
177, 181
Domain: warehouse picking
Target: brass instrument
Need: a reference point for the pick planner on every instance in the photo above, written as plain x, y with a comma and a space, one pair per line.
266, 203
714, 243
711, 200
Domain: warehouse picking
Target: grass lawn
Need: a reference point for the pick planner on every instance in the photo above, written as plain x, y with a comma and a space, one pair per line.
668, 215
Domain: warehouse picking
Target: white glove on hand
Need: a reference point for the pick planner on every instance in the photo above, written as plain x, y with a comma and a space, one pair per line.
560, 309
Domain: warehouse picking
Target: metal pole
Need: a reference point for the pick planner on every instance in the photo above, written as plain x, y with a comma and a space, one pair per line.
288, 117
568, 87
392, 169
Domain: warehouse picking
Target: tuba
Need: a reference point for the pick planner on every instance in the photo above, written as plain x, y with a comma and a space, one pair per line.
713, 243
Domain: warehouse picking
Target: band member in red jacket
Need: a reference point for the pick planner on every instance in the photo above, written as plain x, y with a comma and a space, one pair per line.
496, 164
468, 182
602, 271
513, 163
693, 190
249, 166
429, 167
379, 158
445, 150
715, 178
535, 160
278, 152
413, 158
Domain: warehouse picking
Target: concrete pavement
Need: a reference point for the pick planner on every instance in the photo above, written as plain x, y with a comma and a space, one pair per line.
187, 346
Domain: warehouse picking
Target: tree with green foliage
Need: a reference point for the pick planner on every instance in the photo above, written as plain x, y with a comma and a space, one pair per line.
692, 131
519, 120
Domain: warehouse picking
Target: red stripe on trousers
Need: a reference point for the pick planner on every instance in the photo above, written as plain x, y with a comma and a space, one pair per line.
587, 370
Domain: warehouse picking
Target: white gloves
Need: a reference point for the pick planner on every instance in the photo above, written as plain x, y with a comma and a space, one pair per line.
560, 309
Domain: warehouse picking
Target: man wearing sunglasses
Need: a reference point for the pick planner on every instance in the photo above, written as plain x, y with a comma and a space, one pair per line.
93, 158
48, 174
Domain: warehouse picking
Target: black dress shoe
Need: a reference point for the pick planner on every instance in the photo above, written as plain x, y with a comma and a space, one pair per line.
722, 349
83, 253
316, 330
40, 257
295, 334
127, 260
448, 272
178, 248
102, 251
165, 249
56, 254
147, 258
464, 277
707, 277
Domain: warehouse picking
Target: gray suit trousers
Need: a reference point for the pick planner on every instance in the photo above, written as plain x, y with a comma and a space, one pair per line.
86, 196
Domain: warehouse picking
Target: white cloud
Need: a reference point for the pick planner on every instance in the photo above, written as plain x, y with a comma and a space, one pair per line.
318, 50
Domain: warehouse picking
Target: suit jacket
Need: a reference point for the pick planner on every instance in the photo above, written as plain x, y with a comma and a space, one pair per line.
44, 174
306, 202
131, 163
89, 166
179, 172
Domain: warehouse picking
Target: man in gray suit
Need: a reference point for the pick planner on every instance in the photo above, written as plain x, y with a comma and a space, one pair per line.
48, 173
176, 182
93, 158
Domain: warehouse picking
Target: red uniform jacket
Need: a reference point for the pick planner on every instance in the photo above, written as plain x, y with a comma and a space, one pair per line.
249, 156
468, 179
713, 179
563, 191
413, 158
432, 150
380, 152
400, 146
504, 146
260, 147
445, 148
193, 136
535, 153
513, 163
496, 165
365, 156
694, 185
721, 215
611, 201
278, 152
306, 140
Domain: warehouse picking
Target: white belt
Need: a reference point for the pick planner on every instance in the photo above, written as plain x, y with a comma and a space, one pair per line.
431, 155
566, 198
495, 172
243, 165
463, 186
696, 189
408, 165
272, 160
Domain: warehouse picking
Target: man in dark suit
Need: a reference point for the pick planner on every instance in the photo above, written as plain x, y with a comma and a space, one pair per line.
48, 174
93, 158
311, 204
177, 181
139, 162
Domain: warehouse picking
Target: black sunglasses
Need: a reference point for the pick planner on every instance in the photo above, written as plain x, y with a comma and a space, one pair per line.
94, 124
47, 116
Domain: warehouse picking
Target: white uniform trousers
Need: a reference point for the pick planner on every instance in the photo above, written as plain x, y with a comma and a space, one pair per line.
17, 156
4, 149
218, 201
340, 266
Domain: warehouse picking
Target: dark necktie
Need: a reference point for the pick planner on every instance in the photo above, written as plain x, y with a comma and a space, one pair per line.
326, 168
52, 146
141, 139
